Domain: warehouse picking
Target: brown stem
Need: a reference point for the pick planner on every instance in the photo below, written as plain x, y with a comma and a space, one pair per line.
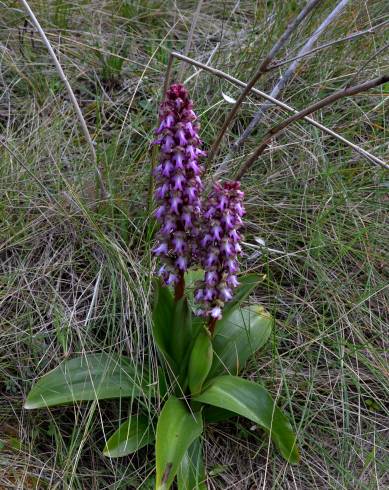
275, 130
212, 325
179, 288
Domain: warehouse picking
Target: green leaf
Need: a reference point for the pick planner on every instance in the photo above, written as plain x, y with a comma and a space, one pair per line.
177, 428
191, 277
200, 361
132, 435
90, 377
191, 473
163, 318
253, 402
238, 336
212, 414
247, 284
181, 332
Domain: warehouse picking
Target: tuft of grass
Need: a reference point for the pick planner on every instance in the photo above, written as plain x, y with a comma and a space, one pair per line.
75, 272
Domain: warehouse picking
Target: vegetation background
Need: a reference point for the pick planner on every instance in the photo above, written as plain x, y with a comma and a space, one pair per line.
75, 271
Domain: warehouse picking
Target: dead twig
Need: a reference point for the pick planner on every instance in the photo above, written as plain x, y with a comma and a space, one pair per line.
190, 35
345, 92
289, 72
262, 69
236, 81
350, 37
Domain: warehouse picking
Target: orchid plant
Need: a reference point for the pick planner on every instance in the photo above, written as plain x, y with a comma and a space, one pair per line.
203, 335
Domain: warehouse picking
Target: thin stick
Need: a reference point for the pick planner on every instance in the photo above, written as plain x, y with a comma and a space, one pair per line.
346, 92
190, 36
62, 75
289, 72
277, 102
262, 69
351, 37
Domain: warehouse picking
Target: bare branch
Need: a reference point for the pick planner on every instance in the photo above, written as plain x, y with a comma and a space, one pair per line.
345, 92
63, 77
262, 69
229, 78
351, 37
289, 72
190, 35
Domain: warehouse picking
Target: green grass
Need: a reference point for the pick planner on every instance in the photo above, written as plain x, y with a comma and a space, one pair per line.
76, 272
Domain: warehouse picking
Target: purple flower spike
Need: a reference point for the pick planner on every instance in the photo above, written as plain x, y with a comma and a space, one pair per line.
220, 247
178, 181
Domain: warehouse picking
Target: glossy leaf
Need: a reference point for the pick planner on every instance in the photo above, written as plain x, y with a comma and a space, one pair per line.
238, 336
191, 473
200, 361
252, 401
90, 377
132, 435
163, 318
247, 284
177, 428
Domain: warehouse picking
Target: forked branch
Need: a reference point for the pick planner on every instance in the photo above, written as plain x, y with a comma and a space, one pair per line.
236, 81
275, 130
262, 69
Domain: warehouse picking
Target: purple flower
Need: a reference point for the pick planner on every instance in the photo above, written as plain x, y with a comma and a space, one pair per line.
178, 182
220, 247
167, 168
168, 143
180, 134
161, 249
182, 263
179, 243
178, 179
216, 312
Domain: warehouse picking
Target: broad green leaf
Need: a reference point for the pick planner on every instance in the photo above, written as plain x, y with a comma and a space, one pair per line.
191, 473
238, 336
133, 434
212, 414
163, 317
200, 361
252, 401
181, 332
90, 377
177, 428
247, 284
